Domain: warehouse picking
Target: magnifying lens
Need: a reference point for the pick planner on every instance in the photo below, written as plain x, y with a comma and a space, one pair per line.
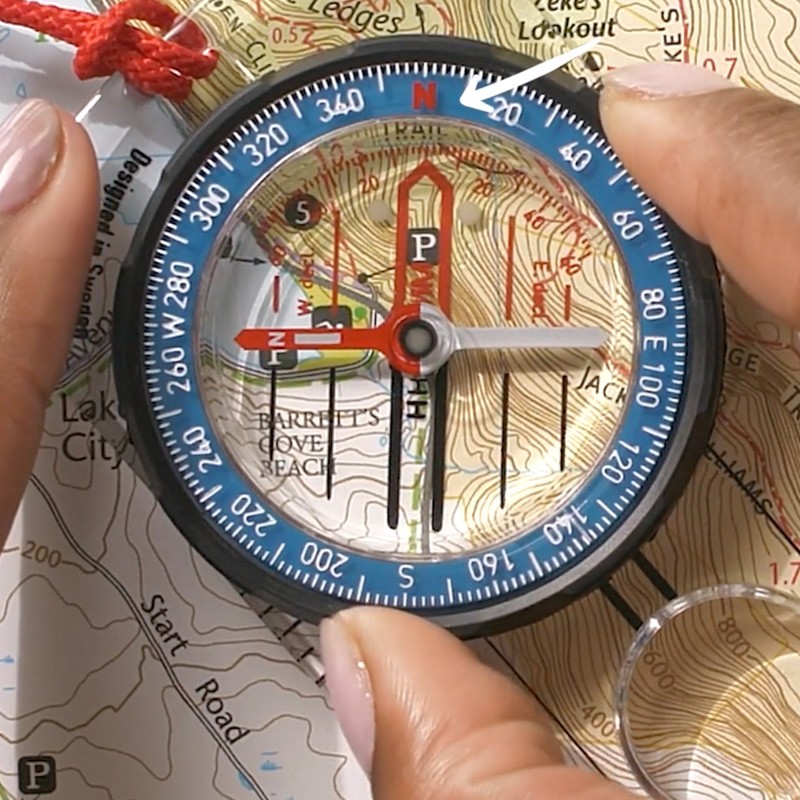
707, 701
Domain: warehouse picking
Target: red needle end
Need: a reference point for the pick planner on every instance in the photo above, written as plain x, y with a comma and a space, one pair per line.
249, 339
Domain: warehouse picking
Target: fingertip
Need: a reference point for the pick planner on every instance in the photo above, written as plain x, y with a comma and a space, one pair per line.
349, 687
388, 636
47, 251
654, 151
49, 202
662, 79
725, 166
78, 168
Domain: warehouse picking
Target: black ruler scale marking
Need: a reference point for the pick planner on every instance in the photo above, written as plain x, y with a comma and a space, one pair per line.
655, 577
298, 637
625, 608
621, 605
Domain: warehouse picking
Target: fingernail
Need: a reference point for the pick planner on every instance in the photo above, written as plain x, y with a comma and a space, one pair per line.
30, 138
349, 689
660, 79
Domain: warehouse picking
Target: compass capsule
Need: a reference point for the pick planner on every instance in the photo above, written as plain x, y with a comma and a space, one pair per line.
377, 346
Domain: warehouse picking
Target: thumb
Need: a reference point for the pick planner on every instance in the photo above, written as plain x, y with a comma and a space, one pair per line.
48, 211
724, 162
428, 721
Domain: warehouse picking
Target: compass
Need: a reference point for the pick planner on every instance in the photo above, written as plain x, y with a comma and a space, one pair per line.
374, 346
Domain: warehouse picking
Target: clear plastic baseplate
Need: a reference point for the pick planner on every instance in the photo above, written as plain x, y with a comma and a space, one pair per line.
135, 136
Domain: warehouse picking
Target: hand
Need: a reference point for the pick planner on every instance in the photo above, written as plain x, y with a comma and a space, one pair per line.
48, 213
425, 718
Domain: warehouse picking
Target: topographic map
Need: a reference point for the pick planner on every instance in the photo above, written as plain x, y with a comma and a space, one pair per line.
130, 669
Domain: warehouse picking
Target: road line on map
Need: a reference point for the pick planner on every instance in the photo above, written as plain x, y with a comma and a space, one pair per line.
151, 638
760, 507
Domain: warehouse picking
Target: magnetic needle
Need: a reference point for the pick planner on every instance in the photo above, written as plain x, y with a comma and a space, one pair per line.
378, 347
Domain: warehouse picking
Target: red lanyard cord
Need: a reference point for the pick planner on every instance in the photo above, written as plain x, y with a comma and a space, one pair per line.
107, 44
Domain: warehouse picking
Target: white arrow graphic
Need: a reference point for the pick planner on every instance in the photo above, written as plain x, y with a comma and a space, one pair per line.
476, 98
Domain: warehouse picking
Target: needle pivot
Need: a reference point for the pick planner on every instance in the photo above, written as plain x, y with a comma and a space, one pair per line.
418, 338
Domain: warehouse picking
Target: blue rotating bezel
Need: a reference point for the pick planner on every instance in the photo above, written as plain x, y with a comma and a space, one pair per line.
657, 447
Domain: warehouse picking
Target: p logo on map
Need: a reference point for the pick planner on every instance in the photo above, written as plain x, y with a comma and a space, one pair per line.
37, 774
